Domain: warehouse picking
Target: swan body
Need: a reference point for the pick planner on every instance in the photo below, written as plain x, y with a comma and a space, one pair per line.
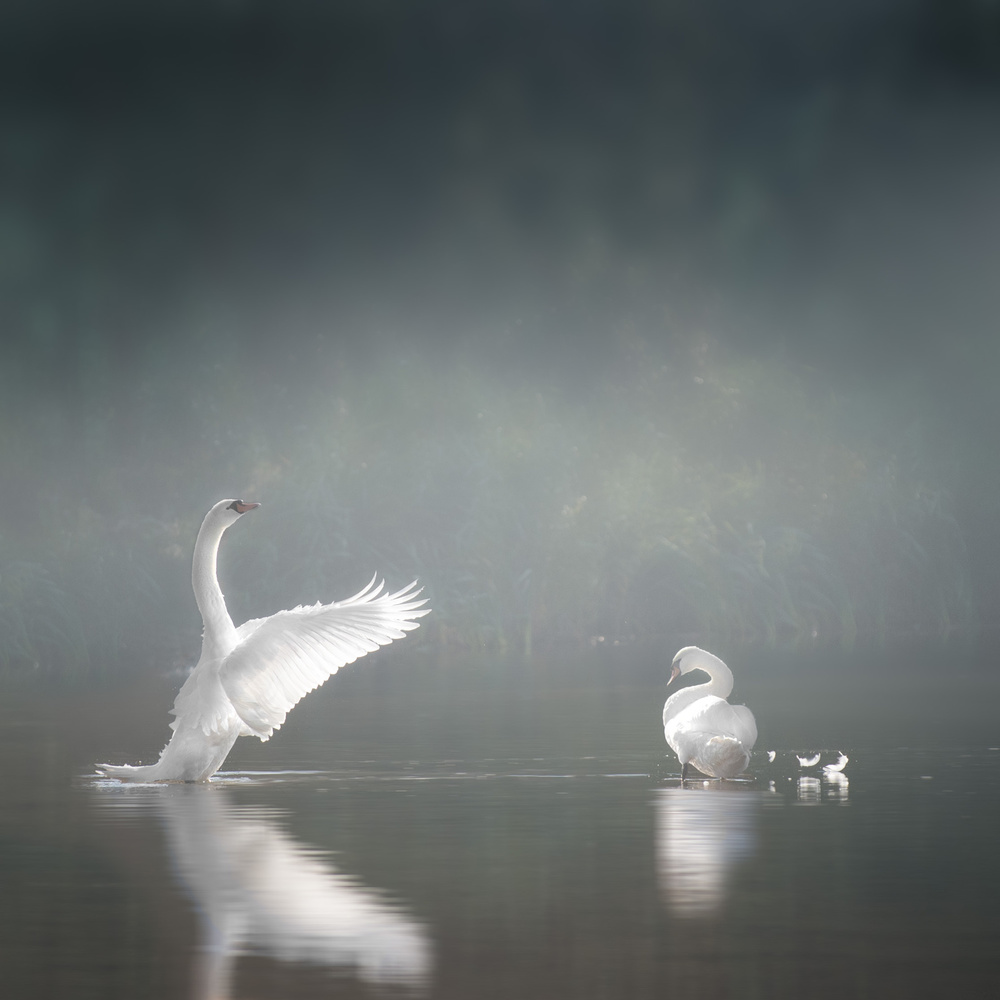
701, 727
247, 679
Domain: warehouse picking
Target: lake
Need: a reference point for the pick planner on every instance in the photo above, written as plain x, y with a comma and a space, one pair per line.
481, 826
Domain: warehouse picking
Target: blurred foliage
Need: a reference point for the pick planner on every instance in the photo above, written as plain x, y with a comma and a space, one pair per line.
691, 492
428, 280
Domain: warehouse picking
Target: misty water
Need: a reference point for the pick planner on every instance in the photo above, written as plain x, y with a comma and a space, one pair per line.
471, 826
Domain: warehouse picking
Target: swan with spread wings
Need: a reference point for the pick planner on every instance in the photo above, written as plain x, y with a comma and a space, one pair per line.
249, 678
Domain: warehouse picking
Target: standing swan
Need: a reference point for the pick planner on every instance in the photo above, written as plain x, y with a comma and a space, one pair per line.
701, 727
247, 679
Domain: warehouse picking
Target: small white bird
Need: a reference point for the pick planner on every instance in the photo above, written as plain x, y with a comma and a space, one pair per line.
808, 761
248, 678
771, 754
701, 727
842, 760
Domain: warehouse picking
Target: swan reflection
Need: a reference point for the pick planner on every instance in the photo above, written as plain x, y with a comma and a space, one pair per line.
808, 791
837, 786
702, 834
834, 787
260, 891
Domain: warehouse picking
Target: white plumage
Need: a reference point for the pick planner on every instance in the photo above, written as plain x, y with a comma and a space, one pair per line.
701, 727
248, 679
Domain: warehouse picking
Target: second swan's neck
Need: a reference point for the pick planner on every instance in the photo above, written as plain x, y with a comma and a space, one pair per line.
721, 678
720, 684
219, 628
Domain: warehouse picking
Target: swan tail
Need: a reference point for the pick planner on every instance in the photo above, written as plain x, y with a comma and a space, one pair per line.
722, 757
128, 772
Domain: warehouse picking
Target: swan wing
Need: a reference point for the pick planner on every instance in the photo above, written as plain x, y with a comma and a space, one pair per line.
713, 716
280, 659
744, 725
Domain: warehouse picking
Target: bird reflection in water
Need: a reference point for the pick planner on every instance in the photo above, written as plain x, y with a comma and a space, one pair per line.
837, 786
702, 834
834, 787
260, 891
809, 791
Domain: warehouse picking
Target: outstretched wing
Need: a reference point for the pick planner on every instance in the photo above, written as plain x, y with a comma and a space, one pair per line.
281, 659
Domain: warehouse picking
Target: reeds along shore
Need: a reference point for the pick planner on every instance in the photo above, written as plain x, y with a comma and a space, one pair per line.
688, 493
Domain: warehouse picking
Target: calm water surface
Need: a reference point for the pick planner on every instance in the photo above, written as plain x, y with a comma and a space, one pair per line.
498, 828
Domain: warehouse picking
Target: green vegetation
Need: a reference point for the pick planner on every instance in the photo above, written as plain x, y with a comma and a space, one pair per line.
690, 493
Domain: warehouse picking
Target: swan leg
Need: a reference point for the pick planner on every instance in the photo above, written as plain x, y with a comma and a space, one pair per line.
684, 772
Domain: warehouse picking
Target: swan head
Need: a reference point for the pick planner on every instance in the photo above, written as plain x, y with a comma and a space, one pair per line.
227, 512
691, 658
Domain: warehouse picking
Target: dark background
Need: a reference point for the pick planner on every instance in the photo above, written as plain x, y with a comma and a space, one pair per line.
299, 251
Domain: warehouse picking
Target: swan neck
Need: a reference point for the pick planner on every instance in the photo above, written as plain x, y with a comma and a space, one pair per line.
204, 579
719, 684
721, 679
